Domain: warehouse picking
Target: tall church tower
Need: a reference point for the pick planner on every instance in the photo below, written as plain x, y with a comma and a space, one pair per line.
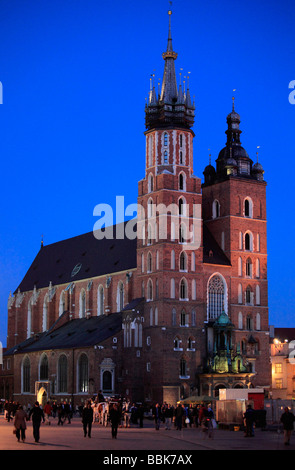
169, 246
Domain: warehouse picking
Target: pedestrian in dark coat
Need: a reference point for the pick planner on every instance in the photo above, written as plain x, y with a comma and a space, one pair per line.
287, 419
115, 417
179, 412
87, 419
157, 414
20, 424
37, 416
249, 419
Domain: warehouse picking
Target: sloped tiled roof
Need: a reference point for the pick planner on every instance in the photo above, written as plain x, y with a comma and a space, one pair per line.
77, 333
77, 258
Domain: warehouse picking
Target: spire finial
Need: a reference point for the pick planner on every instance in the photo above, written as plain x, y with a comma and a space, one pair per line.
42, 240
233, 98
209, 157
258, 147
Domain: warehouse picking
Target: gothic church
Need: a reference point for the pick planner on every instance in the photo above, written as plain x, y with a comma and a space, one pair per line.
155, 317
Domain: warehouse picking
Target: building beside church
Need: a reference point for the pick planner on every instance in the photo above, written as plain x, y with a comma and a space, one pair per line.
180, 309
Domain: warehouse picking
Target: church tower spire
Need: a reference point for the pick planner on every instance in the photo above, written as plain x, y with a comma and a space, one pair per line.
169, 109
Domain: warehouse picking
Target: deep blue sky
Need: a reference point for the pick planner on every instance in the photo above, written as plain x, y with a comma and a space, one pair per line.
75, 76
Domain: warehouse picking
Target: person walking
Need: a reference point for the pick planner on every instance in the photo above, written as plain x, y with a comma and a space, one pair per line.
249, 420
60, 414
179, 412
115, 417
157, 416
168, 414
20, 424
87, 419
47, 412
287, 419
37, 415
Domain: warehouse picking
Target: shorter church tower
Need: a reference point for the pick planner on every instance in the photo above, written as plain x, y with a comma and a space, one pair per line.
234, 211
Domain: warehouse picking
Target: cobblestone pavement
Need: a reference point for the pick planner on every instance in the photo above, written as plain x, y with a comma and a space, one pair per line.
71, 437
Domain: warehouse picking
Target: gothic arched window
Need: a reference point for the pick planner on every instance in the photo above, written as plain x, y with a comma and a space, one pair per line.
26, 375
83, 373
216, 297
62, 374
183, 290
100, 301
82, 304
44, 368
120, 296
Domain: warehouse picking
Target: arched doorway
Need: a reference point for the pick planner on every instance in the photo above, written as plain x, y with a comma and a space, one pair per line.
107, 381
42, 397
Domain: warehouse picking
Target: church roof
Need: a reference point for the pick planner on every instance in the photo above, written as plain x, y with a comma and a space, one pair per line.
86, 257
80, 257
80, 332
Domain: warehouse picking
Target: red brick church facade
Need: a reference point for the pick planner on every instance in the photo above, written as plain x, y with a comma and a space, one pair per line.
180, 309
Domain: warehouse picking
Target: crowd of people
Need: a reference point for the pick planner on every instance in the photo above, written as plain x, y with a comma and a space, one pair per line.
121, 413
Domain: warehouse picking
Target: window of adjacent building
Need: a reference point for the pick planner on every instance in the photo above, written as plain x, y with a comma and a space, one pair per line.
183, 368
279, 383
26, 375
44, 368
278, 368
62, 374
83, 375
